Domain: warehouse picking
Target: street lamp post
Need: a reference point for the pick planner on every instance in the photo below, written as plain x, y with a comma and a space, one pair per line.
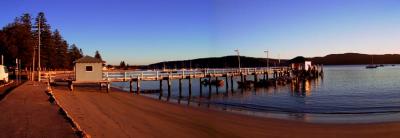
237, 51
39, 50
267, 59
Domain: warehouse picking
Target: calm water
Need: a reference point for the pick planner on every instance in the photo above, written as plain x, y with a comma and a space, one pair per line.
346, 94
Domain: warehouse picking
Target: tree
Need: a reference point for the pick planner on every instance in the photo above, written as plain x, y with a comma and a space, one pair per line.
122, 64
19, 39
74, 54
61, 48
26, 48
17, 42
97, 55
47, 47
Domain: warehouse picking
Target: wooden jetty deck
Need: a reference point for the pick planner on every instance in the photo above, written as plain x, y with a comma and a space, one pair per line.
168, 75
152, 75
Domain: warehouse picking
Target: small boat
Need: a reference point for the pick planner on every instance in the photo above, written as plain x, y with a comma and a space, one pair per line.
213, 82
371, 66
245, 84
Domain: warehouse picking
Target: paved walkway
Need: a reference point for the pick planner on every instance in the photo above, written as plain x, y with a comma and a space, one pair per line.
25, 112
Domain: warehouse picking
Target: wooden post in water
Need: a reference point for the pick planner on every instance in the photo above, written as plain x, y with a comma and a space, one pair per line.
209, 86
263, 73
241, 77
231, 83
161, 91
190, 87
255, 78
108, 86
201, 88
226, 83
169, 86
138, 85
130, 85
216, 85
180, 88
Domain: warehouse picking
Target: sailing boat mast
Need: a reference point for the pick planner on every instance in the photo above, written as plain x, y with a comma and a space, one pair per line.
372, 59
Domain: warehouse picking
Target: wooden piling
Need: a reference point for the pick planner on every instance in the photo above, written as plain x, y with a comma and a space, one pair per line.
169, 86
161, 91
180, 88
190, 87
130, 85
255, 78
241, 77
216, 85
209, 86
138, 86
201, 88
226, 83
231, 83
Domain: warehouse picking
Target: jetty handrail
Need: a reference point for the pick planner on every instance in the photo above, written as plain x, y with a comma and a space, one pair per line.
157, 74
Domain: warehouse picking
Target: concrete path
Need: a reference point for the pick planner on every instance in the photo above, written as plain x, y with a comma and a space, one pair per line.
25, 112
120, 114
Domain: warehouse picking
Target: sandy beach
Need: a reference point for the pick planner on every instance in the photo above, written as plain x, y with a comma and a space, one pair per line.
120, 114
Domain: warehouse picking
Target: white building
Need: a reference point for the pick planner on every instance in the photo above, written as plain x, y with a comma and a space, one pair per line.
88, 69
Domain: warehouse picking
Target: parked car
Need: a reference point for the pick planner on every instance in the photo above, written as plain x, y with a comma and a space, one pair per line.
3, 74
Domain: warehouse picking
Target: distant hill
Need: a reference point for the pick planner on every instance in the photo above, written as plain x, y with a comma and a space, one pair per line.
356, 58
216, 62
232, 61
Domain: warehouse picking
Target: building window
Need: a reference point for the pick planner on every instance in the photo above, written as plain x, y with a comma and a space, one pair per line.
89, 68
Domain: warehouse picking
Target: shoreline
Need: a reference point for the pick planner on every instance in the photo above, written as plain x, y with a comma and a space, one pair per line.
124, 114
318, 118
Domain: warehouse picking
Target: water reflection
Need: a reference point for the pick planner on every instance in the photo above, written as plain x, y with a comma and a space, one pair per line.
303, 88
354, 89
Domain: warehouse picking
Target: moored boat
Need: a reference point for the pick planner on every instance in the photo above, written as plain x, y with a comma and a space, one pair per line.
371, 66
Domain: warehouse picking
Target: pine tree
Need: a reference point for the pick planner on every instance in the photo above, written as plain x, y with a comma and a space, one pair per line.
16, 41
25, 52
19, 39
74, 53
47, 47
97, 55
122, 64
61, 48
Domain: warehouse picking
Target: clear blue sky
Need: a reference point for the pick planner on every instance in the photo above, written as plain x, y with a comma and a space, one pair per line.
148, 31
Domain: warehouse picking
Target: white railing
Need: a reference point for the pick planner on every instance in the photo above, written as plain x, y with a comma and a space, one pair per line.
183, 73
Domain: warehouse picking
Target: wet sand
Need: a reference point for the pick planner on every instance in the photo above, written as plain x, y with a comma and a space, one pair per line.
25, 112
120, 114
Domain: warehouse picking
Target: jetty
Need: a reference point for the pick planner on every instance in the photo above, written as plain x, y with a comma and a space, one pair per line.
90, 70
226, 74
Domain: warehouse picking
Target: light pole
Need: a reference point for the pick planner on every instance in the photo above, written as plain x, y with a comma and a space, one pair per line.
39, 50
237, 51
267, 59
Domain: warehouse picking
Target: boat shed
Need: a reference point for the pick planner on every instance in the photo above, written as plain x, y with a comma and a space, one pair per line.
88, 69
300, 63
